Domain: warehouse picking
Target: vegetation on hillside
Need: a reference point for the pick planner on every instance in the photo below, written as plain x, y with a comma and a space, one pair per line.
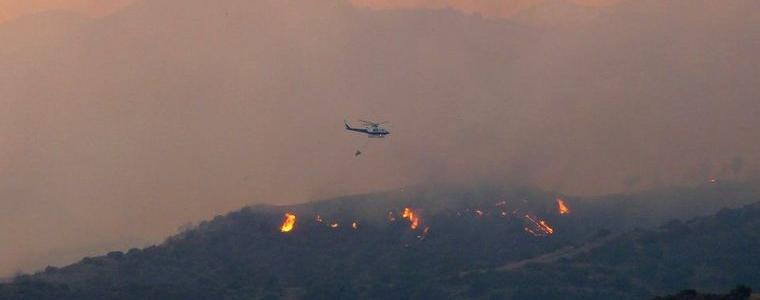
456, 246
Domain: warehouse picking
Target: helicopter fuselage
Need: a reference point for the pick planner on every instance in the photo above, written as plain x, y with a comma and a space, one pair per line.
372, 131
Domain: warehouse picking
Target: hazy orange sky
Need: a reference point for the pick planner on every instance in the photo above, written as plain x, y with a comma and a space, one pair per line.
116, 131
11, 9
485, 7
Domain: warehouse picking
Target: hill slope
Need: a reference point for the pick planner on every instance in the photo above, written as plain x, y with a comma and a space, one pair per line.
712, 253
244, 255
176, 102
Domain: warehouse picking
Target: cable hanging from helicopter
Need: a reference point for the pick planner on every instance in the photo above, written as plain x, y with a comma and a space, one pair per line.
371, 129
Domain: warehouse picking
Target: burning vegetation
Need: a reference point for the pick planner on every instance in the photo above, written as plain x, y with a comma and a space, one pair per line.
288, 223
562, 207
413, 218
533, 224
538, 227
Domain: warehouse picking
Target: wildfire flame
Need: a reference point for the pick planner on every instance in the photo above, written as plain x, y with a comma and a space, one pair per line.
412, 217
288, 223
533, 224
539, 227
545, 227
562, 207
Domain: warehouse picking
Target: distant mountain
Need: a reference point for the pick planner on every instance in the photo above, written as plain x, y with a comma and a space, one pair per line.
196, 107
554, 13
178, 102
368, 247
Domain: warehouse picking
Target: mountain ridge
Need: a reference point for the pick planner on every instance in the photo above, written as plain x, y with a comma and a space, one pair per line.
244, 252
177, 103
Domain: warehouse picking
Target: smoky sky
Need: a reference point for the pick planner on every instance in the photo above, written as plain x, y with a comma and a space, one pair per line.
119, 129
12, 9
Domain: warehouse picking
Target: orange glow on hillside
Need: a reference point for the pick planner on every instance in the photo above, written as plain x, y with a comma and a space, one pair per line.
538, 227
412, 217
288, 223
562, 207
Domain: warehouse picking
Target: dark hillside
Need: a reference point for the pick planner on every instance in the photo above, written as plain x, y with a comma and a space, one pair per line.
244, 255
739, 293
713, 253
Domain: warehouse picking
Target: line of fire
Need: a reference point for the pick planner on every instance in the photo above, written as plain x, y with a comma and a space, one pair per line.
533, 224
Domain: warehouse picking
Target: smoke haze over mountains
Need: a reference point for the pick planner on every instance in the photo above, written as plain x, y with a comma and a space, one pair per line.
11, 9
117, 130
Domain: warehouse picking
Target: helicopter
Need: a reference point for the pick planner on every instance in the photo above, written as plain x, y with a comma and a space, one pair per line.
372, 129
